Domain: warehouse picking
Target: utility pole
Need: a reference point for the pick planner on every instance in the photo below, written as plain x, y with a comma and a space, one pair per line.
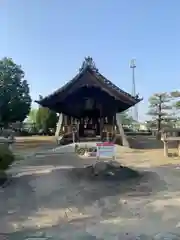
134, 109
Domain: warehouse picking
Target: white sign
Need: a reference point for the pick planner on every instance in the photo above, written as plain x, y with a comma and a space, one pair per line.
105, 150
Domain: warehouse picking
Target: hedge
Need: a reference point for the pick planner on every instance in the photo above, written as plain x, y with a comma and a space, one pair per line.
6, 157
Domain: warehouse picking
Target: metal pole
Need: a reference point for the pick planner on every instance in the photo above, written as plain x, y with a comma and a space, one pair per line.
133, 82
135, 109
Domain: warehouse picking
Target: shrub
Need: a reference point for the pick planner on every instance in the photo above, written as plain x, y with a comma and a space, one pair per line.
6, 157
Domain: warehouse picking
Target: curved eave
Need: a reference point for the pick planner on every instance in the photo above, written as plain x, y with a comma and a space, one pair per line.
61, 89
46, 103
51, 100
123, 96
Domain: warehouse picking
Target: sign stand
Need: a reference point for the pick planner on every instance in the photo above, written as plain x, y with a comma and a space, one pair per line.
106, 150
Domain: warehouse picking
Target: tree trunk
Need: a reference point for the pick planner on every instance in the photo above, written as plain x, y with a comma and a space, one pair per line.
159, 120
159, 124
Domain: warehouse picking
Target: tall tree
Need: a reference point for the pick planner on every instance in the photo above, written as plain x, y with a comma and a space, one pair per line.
159, 108
15, 100
32, 115
45, 119
176, 103
176, 107
126, 119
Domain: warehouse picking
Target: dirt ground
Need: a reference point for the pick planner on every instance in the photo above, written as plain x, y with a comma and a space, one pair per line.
43, 200
33, 143
138, 157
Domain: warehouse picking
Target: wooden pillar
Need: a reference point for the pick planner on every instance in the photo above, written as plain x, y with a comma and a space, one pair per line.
77, 125
59, 125
166, 148
179, 148
101, 121
69, 124
121, 131
114, 124
65, 120
101, 126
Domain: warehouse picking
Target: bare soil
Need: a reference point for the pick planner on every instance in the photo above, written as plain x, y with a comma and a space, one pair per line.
44, 199
35, 143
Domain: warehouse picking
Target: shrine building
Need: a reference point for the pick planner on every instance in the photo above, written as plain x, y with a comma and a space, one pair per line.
89, 104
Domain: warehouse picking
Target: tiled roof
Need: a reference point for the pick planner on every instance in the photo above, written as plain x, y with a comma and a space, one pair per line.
88, 64
113, 86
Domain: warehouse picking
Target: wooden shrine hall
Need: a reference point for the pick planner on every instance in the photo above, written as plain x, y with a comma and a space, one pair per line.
89, 105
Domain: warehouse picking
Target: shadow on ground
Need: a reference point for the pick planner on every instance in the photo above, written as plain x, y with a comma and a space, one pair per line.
32, 198
62, 205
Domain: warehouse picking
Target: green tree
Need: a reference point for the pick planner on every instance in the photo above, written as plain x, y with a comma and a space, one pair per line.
32, 115
176, 101
45, 119
15, 100
126, 119
160, 108
176, 107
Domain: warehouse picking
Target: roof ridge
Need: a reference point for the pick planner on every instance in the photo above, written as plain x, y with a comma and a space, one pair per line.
115, 87
88, 64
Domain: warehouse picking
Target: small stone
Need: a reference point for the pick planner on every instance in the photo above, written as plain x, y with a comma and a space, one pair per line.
115, 164
100, 167
124, 202
110, 173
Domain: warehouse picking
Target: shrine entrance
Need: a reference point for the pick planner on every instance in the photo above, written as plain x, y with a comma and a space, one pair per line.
88, 129
90, 126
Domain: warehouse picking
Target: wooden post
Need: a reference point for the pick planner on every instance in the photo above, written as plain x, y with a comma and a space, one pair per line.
101, 123
121, 131
179, 148
166, 148
107, 136
114, 125
73, 136
65, 120
59, 125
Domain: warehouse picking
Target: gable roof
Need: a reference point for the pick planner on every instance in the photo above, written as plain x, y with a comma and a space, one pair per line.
88, 66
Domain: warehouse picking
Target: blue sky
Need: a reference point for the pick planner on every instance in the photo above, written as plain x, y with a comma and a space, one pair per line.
51, 38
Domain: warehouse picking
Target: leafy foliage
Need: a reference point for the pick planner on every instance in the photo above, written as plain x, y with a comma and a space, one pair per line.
15, 100
176, 100
163, 109
126, 119
46, 119
32, 116
159, 105
6, 157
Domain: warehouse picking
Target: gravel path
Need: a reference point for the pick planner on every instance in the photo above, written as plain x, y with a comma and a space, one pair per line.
43, 201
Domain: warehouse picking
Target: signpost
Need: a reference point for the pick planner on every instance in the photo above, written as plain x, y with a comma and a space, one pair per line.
74, 130
106, 150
